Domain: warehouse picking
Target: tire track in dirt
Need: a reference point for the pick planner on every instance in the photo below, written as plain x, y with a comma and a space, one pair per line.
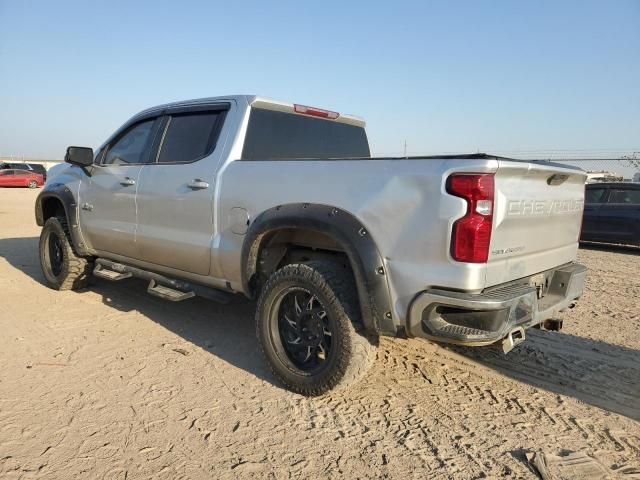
164, 391
604, 375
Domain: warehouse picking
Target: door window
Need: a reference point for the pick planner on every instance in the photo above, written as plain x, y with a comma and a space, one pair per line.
190, 137
6, 172
132, 147
594, 195
626, 196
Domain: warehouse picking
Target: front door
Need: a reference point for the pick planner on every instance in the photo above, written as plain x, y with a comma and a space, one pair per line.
176, 191
107, 196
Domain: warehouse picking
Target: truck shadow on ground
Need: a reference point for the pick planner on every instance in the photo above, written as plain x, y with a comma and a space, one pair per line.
598, 373
224, 330
595, 372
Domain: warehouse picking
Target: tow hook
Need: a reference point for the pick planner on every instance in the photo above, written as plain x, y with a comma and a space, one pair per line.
514, 338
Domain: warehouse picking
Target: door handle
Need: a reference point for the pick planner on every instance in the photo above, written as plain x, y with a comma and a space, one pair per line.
198, 184
127, 182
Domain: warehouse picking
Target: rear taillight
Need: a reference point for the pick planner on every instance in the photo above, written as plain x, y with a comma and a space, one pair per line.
471, 234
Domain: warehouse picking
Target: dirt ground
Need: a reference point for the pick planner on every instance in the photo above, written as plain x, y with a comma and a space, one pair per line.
112, 383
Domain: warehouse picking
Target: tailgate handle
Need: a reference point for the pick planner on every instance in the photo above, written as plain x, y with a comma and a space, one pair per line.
557, 179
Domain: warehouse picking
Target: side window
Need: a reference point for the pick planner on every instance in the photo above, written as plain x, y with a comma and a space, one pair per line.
132, 147
594, 195
190, 137
5, 172
628, 196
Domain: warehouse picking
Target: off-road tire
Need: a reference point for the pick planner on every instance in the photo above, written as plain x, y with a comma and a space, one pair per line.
75, 271
355, 350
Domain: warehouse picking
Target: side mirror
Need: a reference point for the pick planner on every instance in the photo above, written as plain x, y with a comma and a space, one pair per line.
82, 156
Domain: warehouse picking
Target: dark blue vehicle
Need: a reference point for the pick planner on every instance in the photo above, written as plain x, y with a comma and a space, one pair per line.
612, 213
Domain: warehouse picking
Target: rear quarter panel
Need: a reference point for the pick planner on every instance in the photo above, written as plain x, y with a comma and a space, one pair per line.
401, 203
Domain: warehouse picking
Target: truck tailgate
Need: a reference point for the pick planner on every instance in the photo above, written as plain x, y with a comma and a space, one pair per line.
537, 218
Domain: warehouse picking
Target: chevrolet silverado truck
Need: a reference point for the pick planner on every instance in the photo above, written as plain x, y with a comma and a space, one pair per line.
284, 204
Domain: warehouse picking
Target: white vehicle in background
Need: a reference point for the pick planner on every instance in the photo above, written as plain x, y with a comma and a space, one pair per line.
56, 169
603, 176
283, 203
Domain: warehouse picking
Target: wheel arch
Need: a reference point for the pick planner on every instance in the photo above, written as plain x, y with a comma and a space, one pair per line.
55, 200
351, 238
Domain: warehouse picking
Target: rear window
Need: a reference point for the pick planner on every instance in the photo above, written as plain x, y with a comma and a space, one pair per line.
190, 137
628, 196
275, 135
594, 195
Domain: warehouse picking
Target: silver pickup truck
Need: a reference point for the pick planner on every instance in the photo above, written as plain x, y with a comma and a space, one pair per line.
283, 203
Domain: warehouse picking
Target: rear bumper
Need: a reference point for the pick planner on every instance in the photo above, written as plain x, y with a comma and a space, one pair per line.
485, 318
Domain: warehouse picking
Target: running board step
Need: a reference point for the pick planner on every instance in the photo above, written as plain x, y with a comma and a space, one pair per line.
161, 286
111, 275
168, 293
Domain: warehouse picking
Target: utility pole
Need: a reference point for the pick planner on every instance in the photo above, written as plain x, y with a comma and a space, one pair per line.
405, 148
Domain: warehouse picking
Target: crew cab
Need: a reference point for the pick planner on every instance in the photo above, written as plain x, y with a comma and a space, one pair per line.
284, 204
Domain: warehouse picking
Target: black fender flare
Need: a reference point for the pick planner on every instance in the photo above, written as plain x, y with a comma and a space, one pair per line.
365, 258
63, 194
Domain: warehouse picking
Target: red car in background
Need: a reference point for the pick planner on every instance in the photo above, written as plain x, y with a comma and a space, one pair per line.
20, 178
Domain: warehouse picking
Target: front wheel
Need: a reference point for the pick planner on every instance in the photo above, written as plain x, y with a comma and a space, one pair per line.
308, 325
32, 184
62, 268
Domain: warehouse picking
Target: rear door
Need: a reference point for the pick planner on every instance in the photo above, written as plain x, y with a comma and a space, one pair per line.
619, 218
108, 197
21, 178
176, 190
536, 221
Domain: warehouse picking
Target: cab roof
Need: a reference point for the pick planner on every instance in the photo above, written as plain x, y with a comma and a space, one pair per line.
257, 101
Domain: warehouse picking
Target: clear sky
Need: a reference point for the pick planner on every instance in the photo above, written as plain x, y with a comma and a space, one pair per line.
535, 78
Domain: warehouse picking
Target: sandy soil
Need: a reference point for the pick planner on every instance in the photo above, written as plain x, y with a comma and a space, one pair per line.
112, 383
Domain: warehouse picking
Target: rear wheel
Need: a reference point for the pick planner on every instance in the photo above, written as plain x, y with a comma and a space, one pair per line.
62, 268
308, 326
